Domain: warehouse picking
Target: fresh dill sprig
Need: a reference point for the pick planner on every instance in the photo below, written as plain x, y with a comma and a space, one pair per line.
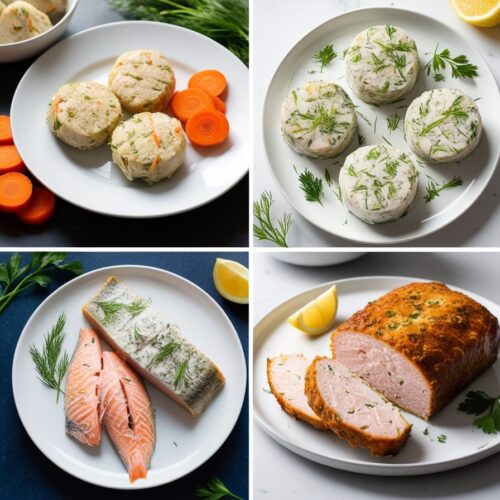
265, 229
325, 56
455, 110
111, 308
432, 190
393, 122
225, 21
50, 365
181, 373
460, 65
215, 490
312, 186
165, 351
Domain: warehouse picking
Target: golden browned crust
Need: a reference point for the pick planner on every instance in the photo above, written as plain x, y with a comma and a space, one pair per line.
448, 336
287, 407
378, 445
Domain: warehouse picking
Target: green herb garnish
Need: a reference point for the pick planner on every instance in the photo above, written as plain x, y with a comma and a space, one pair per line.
265, 229
312, 186
181, 373
328, 177
111, 308
460, 65
225, 21
15, 278
164, 352
361, 140
325, 56
432, 191
50, 365
442, 438
393, 122
214, 490
477, 402
454, 110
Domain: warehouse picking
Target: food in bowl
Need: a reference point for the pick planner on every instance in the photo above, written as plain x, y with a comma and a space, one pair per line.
20, 21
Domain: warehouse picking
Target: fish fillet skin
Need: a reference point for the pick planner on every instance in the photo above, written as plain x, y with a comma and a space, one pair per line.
153, 346
419, 345
127, 415
286, 378
83, 386
349, 407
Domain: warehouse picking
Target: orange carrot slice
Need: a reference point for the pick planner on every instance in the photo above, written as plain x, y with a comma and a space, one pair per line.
15, 191
210, 80
10, 161
40, 207
188, 102
219, 104
207, 128
5, 130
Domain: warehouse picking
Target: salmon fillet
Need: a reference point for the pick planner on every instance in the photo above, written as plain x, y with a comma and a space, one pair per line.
419, 345
127, 415
286, 377
153, 346
83, 385
353, 410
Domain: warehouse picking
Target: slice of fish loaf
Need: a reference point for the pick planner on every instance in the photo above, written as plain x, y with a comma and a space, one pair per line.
127, 415
353, 410
154, 347
286, 376
83, 387
419, 345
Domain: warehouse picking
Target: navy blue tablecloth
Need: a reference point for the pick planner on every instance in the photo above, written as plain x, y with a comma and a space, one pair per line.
26, 473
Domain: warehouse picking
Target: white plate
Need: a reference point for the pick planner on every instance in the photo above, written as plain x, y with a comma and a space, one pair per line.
422, 454
182, 443
422, 218
89, 179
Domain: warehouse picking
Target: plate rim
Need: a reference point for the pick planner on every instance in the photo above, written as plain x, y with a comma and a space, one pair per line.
365, 240
360, 466
126, 267
105, 26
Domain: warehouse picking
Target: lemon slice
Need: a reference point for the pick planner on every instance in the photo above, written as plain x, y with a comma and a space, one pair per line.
317, 316
231, 280
483, 13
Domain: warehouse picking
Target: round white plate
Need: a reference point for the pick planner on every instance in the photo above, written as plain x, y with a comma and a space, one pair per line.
422, 218
89, 179
182, 443
423, 454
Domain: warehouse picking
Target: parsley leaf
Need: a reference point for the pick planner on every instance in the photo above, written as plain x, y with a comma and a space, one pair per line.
478, 402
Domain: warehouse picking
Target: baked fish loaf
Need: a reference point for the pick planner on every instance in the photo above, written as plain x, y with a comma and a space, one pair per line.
154, 347
353, 410
419, 345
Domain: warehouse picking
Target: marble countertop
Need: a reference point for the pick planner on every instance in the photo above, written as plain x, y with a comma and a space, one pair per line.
479, 226
279, 473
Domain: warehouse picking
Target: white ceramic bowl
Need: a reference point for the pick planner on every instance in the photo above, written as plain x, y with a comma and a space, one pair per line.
316, 259
10, 52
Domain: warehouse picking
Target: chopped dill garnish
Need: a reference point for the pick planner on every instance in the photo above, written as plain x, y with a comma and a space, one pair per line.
111, 308
312, 186
328, 177
325, 56
393, 122
181, 373
432, 190
386, 140
454, 110
165, 351
361, 140
375, 125
364, 118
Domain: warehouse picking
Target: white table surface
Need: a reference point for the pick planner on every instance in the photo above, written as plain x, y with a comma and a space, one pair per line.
277, 26
280, 474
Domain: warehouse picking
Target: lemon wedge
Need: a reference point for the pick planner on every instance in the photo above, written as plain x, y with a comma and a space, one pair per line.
483, 13
317, 316
231, 280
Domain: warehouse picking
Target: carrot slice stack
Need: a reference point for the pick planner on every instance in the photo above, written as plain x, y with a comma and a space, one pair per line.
188, 102
10, 161
207, 128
